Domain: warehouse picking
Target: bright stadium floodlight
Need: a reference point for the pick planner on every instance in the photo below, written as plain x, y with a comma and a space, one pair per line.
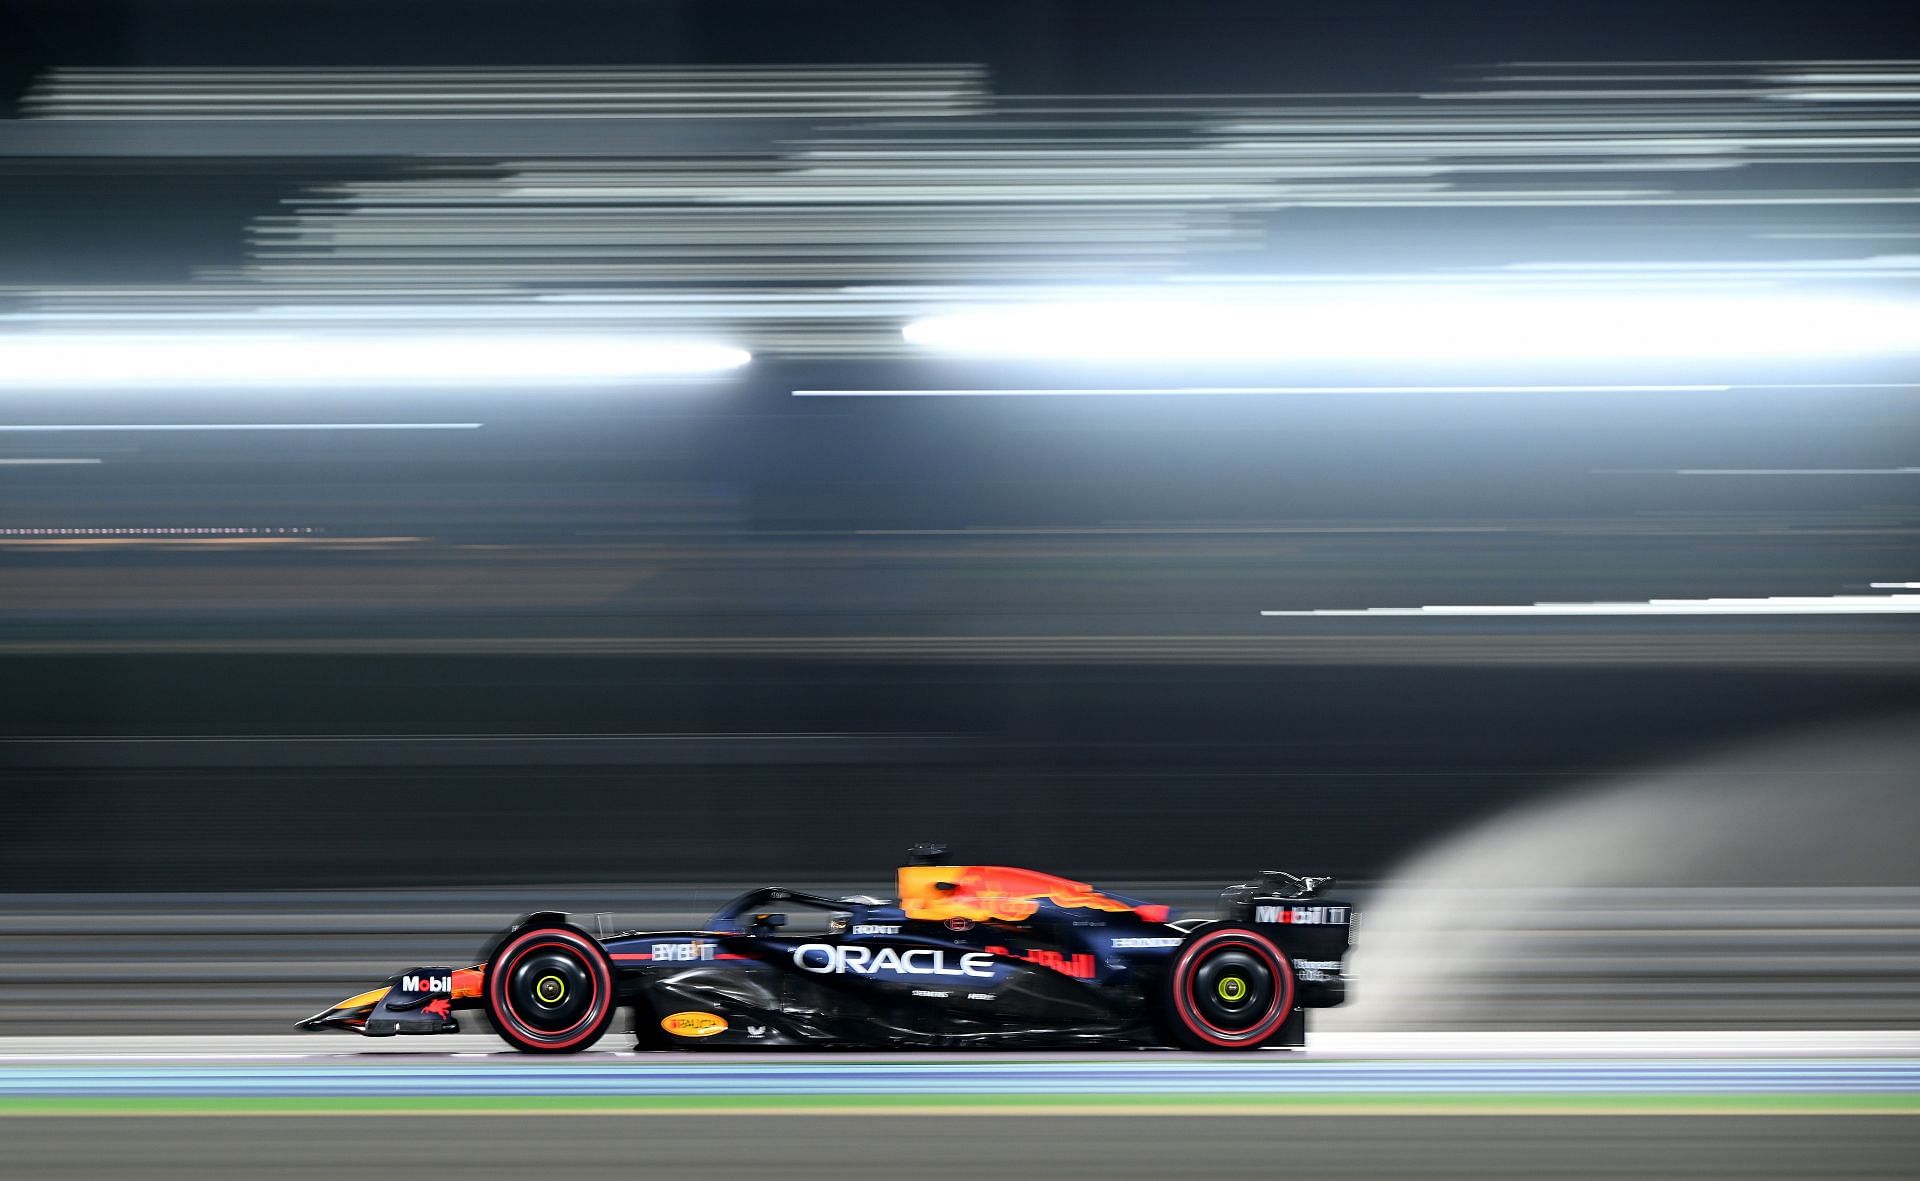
1427, 326
240, 360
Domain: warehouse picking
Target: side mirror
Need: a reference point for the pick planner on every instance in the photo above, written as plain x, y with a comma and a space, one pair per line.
769, 922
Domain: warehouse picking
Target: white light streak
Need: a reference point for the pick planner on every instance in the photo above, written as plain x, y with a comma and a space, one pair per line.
1895, 585
1772, 605
1849, 96
1798, 471
443, 93
61, 360
42, 462
1861, 79
245, 426
157, 531
1421, 327
1277, 390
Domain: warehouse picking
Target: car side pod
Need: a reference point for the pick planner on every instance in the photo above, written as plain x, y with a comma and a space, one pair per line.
416, 1001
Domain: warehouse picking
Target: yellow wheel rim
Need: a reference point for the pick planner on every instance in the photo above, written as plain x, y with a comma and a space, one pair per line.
550, 989
1232, 988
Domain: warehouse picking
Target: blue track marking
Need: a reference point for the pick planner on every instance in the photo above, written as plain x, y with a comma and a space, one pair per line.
677, 1076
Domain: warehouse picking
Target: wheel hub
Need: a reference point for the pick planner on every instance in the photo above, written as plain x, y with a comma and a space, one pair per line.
1233, 989
550, 988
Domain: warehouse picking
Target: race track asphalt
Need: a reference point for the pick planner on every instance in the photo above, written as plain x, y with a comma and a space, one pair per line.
1806, 1106
966, 1147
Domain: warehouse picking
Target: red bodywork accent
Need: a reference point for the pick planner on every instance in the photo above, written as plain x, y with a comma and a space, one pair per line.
1079, 966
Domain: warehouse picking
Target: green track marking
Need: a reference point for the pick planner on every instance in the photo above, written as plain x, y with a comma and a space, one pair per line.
881, 1104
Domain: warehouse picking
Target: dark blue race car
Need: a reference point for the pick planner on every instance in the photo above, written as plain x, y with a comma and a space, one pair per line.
968, 955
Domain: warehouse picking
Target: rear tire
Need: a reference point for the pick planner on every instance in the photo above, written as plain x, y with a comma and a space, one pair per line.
549, 990
1228, 988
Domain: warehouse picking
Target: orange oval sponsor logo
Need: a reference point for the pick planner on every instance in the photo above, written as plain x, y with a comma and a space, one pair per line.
694, 1024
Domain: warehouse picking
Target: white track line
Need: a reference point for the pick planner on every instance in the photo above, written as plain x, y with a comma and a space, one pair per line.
480, 1048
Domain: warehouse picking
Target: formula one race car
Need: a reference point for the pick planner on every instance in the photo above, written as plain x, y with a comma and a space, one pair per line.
970, 955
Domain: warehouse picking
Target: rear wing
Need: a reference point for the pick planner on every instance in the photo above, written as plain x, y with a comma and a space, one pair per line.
1313, 930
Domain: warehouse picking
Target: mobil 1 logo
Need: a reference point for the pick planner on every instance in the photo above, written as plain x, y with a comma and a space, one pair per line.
429, 980
1304, 916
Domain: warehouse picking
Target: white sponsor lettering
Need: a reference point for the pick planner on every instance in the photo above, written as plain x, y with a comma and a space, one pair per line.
1145, 941
865, 961
933, 992
982, 996
1316, 971
875, 929
1303, 916
683, 951
426, 984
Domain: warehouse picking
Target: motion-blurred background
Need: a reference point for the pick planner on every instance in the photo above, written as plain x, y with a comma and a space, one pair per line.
312, 673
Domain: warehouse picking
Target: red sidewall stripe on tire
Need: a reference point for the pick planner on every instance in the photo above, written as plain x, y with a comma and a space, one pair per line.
532, 941
1189, 964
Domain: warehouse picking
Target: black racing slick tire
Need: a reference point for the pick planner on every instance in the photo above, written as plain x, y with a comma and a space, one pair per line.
1228, 988
549, 990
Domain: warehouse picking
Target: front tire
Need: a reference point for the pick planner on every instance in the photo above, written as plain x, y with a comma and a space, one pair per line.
1229, 988
549, 990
